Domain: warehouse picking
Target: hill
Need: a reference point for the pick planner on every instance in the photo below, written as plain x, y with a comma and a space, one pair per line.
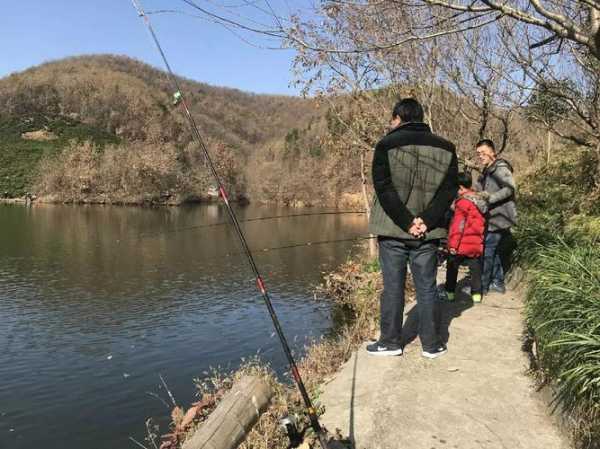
120, 105
104, 129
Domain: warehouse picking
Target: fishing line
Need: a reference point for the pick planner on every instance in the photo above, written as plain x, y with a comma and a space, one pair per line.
246, 220
312, 414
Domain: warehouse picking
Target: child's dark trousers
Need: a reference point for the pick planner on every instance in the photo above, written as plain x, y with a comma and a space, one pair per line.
474, 264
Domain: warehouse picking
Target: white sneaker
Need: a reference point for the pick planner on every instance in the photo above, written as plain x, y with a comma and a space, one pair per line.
435, 353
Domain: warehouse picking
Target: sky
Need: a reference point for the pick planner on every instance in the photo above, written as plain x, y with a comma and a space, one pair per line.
36, 31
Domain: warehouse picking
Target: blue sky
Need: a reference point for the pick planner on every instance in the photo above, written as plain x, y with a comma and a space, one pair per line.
35, 31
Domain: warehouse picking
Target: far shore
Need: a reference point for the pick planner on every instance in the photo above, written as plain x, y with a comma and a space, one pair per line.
13, 200
348, 201
105, 202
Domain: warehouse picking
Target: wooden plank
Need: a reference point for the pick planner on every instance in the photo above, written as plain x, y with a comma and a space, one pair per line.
236, 414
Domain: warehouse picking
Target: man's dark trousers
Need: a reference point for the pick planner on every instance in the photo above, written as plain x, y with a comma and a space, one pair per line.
394, 255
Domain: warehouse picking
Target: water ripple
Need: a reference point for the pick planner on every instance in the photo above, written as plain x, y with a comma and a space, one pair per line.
91, 312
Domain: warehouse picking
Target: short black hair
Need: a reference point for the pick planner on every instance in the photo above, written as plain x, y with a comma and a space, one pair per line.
486, 142
464, 179
409, 110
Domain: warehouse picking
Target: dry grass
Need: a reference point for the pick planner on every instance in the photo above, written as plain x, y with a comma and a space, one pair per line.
39, 135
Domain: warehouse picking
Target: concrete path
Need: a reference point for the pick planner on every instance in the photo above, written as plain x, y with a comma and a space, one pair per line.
476, 396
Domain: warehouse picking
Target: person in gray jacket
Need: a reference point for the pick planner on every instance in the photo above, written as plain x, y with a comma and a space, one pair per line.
497, 180
415, 180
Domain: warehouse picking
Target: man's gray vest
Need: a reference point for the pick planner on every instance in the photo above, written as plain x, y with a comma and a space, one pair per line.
419, 162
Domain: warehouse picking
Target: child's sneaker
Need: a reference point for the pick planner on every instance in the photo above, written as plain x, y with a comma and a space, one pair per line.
476, 298
498, 288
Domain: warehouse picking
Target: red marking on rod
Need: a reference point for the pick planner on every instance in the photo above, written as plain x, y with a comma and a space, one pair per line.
261, 285
223, 194
295, 374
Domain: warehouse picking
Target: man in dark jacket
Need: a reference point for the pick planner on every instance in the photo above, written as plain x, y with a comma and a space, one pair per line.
414, 175
497, 180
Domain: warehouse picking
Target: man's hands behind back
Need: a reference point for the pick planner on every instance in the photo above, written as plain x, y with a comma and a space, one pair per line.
418, 228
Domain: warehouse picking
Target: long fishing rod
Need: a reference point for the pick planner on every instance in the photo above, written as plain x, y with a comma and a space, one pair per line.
312, 414
246, 220
309, 243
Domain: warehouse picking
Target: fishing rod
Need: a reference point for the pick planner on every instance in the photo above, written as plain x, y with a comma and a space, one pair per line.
246, 220
312, 414
301, 244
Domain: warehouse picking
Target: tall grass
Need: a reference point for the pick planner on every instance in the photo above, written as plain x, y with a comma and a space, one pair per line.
563, 311
536, 231
559, 244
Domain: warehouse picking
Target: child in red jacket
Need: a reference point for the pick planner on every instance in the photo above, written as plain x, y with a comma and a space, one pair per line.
466, 236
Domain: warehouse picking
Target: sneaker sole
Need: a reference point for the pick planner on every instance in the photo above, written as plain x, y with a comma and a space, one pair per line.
396, 352
429, 355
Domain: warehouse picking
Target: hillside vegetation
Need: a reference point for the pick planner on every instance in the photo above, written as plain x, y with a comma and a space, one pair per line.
19, 156
117, 137
138, 144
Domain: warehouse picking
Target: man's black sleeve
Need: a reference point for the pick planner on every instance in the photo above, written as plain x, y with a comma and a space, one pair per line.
386, 192
443, 197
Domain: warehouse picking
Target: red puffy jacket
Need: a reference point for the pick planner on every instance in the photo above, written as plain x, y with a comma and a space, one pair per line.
467, 227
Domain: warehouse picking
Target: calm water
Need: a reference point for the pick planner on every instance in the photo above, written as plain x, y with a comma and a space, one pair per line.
95, 302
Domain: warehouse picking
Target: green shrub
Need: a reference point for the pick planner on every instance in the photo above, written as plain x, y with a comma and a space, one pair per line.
565, 187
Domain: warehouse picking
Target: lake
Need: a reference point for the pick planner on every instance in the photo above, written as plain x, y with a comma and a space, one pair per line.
97, 301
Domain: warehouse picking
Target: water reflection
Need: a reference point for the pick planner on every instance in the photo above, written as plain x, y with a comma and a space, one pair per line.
96, 301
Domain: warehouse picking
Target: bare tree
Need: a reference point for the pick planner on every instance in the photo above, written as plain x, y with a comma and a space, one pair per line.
548, 109
395, 41
577, 21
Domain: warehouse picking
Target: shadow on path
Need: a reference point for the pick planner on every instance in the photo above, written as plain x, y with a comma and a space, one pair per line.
446, 311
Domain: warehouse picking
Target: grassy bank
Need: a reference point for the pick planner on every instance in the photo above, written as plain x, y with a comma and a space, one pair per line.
559, 237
